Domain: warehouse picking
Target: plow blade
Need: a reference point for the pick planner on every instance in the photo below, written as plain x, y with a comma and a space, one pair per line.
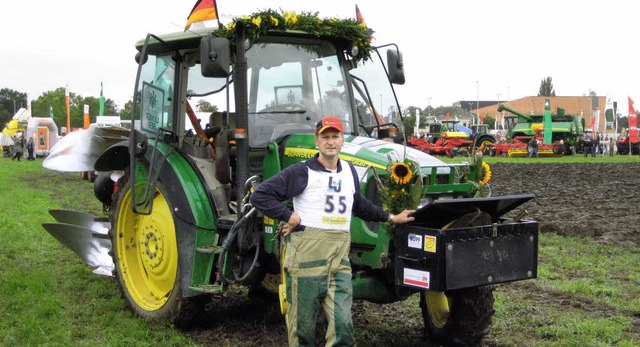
86, 235
433, 256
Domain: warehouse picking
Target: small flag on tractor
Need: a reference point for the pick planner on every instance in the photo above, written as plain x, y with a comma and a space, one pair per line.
360, 19
203, 10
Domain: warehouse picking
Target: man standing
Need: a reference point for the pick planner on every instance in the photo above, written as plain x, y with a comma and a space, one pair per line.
533, 148
30, 149
17, 148
325, 193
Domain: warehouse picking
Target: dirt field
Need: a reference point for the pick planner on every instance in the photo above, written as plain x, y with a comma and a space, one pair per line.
596, 200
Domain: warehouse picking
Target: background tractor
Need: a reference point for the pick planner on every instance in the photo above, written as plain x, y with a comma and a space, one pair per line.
566, 131
180, 226
450, 138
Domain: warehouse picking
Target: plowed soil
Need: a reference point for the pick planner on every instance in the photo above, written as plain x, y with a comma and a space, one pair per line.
586, 199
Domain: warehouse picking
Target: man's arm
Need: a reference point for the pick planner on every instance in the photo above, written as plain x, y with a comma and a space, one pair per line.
270, 194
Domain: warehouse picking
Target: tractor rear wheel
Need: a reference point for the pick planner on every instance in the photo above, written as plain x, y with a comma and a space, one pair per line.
145, 254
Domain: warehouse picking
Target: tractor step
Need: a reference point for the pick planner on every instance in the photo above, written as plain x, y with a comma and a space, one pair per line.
209, 249
207, 288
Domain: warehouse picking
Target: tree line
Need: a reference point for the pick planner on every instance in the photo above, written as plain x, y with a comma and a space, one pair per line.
52, 103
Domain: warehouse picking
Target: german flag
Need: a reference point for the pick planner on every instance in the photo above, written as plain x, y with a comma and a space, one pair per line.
203, 10
359, 17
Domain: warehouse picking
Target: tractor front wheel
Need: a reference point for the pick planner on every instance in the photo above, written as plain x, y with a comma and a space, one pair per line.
459, 317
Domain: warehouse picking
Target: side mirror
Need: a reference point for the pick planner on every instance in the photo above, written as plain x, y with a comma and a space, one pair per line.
144, 59
396, 66
215, 57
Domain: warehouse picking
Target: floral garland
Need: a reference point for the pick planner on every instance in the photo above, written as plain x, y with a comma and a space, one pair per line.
349, 31
402, 188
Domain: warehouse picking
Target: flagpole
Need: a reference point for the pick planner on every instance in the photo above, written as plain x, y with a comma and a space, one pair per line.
66, 102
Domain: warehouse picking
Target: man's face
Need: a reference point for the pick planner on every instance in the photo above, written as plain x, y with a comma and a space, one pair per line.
329, 143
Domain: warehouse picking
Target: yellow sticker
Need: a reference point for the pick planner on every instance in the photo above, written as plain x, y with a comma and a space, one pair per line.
430, 243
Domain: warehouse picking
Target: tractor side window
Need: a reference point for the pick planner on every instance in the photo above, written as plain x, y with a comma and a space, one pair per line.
155, 90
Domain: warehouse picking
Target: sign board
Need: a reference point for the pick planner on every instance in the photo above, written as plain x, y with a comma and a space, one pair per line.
152, 115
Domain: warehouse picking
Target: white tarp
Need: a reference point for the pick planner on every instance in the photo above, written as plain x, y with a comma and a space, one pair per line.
6, 140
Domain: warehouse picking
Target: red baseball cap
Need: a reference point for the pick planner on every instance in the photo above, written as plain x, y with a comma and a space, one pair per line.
329, 122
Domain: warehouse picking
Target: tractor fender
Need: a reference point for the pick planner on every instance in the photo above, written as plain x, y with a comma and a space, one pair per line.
115, 157
194, 213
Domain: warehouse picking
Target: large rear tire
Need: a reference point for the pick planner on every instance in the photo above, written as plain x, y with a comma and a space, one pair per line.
145, 254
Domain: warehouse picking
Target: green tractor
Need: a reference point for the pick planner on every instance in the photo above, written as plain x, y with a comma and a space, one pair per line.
180, 226
566, 130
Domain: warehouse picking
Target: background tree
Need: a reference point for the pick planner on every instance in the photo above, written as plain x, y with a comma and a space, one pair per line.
409, 119
10, 103
546, 87
205, 106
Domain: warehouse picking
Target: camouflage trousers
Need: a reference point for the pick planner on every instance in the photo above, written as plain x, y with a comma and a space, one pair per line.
318, 275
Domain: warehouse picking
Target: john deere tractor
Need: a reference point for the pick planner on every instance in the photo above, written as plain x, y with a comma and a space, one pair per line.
176, 187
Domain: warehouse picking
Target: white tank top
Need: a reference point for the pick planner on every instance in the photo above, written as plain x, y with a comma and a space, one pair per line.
327, 201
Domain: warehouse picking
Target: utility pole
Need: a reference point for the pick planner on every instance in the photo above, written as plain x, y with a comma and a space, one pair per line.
477, 98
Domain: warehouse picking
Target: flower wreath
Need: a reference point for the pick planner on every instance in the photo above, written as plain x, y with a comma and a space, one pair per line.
350, 31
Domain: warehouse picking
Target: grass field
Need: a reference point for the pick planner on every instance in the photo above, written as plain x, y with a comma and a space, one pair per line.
587, 293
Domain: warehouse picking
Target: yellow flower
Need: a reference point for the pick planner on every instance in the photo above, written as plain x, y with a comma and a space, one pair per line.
257, 21
274, 20
290, 18
487, 174
401, 173
232, 27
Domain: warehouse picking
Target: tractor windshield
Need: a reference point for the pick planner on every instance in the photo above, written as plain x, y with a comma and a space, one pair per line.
292, 86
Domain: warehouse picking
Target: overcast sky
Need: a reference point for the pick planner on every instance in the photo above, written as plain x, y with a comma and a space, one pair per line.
508, 47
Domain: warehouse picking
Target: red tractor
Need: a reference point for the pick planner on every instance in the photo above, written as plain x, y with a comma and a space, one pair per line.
451, 139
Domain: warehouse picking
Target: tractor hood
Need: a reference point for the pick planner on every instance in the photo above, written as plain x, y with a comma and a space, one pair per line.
362, 152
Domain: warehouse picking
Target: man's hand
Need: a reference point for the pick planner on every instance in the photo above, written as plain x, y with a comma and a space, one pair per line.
293, 222
403, 217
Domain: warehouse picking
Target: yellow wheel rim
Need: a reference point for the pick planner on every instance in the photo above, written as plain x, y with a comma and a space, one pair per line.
282, 288
147, 252
439, 307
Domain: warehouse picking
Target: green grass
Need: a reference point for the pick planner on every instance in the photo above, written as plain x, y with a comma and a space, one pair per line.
578, 158
47, 296
586, 294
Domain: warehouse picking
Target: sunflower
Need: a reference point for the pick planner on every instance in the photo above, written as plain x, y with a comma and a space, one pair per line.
486, 174
401, 173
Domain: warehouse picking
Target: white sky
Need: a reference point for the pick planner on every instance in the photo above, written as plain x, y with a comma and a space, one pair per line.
507, 46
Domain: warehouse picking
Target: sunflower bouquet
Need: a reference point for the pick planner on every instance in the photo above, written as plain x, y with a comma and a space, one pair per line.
402, 186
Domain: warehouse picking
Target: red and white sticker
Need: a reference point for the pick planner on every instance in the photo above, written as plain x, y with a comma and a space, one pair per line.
416, 278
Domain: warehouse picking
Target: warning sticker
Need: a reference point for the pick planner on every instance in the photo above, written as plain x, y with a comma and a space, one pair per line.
414, 241
416, 278
430, 243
